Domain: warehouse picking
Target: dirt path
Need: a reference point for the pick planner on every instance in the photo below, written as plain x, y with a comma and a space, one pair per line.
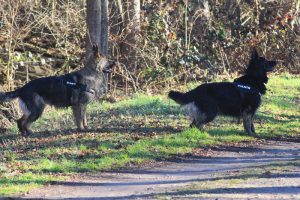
176, 179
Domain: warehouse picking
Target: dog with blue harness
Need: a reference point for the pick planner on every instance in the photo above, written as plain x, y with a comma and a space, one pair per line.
240, 98
75, 90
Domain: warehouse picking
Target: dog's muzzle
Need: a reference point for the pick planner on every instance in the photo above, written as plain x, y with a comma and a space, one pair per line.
109, 68
270, 66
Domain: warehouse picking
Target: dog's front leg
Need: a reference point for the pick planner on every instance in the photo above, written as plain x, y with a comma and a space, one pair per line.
82, 115
247, 122
85, 124
77, 112
252, 125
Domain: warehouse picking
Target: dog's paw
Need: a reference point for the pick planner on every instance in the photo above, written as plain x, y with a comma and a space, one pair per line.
192, 125
251, 133
86, 127
80, 129
252, 129
26, 133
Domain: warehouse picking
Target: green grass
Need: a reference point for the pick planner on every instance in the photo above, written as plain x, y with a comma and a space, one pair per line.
133, 131
23, 182
279, 114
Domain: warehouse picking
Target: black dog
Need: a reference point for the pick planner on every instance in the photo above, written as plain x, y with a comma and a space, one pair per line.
239, 98
75, 89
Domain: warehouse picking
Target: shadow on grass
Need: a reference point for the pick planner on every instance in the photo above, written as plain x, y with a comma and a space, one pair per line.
22, 182
155, 107
189, 180
278, 118
157, 110
163, 182
58, 142
227, 132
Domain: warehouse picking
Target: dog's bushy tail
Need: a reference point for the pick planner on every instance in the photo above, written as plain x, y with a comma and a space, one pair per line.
8, 96
180, 98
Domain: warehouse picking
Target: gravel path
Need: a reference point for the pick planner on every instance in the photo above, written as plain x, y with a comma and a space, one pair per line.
165, 181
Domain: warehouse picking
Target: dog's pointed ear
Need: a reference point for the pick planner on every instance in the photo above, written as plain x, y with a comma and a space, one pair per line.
95, 49
254, 54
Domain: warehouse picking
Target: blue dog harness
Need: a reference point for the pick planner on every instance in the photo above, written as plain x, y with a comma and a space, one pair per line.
246, 88
70, 82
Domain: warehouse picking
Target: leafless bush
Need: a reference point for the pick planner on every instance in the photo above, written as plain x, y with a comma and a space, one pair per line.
158, 43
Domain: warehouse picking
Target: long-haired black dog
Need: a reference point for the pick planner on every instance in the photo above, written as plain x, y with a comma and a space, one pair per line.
75, 89
240, 98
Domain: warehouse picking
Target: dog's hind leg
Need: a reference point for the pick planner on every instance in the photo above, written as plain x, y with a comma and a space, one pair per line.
22, 120
193, 112
206, 112
193, 124
199, 116
20, 123
35, 106
196, 124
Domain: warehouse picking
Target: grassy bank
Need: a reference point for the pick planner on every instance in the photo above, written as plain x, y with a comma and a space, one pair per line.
130, 132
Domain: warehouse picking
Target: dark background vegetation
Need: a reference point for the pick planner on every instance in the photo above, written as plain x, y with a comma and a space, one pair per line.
158, 43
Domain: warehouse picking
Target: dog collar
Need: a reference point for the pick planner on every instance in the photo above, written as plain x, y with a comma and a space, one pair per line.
246, 88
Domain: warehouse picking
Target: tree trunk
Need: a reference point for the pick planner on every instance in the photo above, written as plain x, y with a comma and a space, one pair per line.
104, 35
104, 28
97, 24
93, 24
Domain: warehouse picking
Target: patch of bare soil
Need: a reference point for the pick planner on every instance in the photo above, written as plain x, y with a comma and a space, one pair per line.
180, 178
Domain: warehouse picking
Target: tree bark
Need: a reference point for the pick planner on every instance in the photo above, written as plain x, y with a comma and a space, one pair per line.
97, 33
93, 24
104, 35
104, 28
97, 24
